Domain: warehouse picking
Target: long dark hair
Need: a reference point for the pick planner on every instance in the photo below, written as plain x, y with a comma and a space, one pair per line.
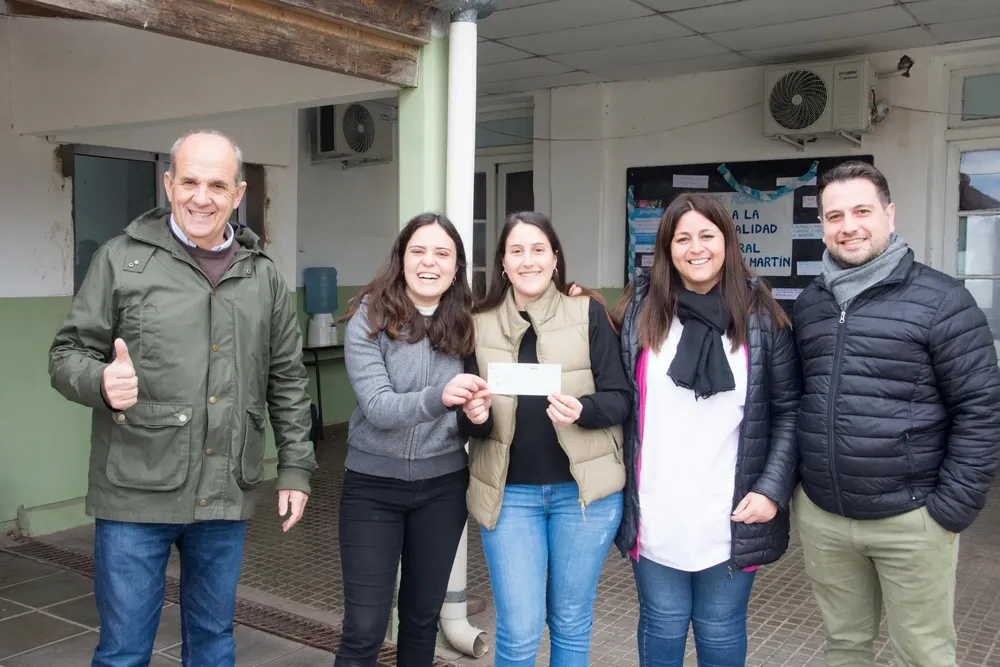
499, 284
450, 329
740, 293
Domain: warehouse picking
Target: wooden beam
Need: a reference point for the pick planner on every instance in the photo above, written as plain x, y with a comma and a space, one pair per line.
407, 20
263, 29
16, 8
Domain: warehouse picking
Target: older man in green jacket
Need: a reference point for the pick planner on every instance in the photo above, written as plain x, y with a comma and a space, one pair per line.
182, 338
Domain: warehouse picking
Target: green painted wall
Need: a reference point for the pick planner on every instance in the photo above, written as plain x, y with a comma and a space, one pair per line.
610, 294
45, 448
423, 135
46, 439
338, 399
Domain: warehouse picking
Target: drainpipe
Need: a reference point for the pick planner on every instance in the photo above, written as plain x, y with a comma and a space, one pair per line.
460, 185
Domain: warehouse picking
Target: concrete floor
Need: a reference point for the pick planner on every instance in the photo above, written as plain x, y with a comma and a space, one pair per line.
300, 572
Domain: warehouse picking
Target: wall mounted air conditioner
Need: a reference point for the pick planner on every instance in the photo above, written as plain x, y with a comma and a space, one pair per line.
806, 100
355, 134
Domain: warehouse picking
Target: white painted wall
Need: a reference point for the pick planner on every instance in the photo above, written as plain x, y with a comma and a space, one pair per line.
266, 136
69, 74
36, 257
104, 85
601, 130
348, 218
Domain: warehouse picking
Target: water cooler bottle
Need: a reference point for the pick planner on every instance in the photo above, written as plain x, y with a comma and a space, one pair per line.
321, 303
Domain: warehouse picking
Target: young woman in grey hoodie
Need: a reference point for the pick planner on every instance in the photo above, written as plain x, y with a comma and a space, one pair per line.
407, 469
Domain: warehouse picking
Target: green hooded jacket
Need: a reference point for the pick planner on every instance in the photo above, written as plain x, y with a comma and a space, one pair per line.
212, 362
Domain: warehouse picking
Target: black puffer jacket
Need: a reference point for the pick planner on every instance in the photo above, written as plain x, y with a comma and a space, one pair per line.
901, 398
766, 457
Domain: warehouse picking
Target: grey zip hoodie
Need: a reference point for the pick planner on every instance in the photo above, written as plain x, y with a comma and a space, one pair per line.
400, 427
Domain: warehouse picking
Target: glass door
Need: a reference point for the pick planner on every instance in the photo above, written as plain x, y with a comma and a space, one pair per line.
515, 189
111, 188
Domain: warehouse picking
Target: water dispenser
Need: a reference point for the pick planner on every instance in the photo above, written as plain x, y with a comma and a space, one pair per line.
321, 304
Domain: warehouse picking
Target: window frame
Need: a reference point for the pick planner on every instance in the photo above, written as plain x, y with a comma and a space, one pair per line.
957, 93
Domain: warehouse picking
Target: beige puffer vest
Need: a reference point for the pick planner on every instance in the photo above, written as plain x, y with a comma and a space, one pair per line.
595, 456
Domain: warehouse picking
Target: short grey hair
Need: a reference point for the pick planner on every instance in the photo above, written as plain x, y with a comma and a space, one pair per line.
236, 149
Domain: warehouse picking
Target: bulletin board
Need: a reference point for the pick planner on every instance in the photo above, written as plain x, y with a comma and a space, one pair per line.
773, 204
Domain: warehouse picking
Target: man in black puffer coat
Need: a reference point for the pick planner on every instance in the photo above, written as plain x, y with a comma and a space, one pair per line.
898, 429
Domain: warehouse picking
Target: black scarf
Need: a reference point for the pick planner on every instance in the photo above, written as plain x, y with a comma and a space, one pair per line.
701, 363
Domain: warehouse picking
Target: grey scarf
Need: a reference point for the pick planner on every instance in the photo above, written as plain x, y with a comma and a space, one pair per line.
847, 283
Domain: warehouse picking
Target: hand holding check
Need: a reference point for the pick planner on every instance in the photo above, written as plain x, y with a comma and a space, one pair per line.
462, 388
516, 379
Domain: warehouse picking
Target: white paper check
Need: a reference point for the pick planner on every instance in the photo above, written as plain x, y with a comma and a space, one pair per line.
525, 379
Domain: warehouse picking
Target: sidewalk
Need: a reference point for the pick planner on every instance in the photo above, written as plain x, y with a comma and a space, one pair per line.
48, 619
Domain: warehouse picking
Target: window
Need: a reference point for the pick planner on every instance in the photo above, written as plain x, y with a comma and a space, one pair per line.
975, 97
479, 209
981, 97
505, 132
978, 261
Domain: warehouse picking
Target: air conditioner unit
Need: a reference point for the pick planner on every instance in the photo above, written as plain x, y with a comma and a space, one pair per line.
809, 99
355, 134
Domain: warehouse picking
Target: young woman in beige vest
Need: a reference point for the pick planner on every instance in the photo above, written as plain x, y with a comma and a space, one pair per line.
546, 471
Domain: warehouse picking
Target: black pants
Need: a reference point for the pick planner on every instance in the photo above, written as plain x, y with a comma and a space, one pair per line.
381, 521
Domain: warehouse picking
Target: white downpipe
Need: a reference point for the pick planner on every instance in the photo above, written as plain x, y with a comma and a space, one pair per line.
461, 156
459, 199
454, 612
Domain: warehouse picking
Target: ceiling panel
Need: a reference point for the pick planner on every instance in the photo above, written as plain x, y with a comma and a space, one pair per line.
519, 69
673, 5
510, 4
618, 40
674, 67
490, 53
753, 13
960, 31
944, 11
814, 30
536, 83
906, 38
638, 54
609, 35
558, 15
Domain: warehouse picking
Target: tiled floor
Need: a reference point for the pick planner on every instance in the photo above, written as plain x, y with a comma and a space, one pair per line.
303, 568
784, 620
48, 619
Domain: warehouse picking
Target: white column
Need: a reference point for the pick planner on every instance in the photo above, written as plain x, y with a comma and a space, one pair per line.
461, 160
459, 199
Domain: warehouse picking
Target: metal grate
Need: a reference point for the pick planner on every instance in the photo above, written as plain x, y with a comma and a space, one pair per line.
251, 614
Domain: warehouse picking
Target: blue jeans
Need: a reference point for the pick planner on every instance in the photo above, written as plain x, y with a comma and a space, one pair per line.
130, 563
671, 600
546, 552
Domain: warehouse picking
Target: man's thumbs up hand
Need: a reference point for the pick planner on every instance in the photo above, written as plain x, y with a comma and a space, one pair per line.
121, 386
121, 353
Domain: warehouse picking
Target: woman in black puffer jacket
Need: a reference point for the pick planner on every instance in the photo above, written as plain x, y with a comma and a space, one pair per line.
710, 449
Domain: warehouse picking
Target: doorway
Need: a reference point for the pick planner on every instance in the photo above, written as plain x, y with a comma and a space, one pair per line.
503, 185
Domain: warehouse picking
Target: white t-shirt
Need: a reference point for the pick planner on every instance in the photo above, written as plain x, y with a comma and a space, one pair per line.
688, 473
426, 310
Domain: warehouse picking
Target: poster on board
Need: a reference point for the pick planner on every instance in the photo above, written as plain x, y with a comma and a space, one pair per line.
773, 204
